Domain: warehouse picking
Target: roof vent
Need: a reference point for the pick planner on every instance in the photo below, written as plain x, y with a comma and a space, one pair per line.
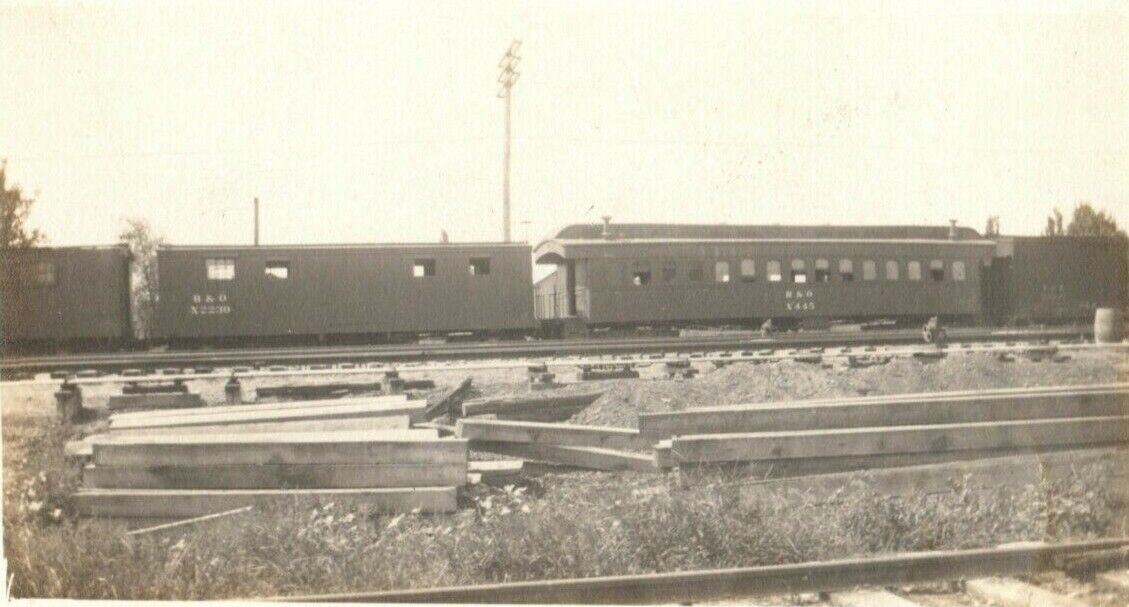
607, 234
952, 229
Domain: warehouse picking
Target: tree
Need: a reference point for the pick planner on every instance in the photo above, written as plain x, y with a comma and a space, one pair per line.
143, 249
1054, 224
1088, 222
13, 215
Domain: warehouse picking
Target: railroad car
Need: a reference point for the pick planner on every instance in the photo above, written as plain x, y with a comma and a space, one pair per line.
65, 297
1056, 279
329, 293
632, 274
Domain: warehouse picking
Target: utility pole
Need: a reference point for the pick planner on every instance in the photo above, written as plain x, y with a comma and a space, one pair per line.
256, 221
507, 79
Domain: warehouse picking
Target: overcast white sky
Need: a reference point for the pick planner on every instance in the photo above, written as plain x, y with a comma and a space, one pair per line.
358, 122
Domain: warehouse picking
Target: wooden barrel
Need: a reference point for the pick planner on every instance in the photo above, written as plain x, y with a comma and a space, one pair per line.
1109, 326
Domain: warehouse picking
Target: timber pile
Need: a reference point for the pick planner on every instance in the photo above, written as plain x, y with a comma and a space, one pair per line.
179, 475
801, 438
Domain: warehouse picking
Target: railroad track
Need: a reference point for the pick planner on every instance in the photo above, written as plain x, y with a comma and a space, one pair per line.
978, 573
257, 357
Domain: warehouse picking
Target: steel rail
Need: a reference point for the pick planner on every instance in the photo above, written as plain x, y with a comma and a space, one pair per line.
684, 586
408, 352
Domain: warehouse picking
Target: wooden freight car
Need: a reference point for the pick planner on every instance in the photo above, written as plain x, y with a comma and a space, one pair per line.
68, 298
1057, 279
669, 274
337, 293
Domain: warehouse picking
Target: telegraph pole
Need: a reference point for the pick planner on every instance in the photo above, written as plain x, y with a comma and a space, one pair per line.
507, 79
256, 221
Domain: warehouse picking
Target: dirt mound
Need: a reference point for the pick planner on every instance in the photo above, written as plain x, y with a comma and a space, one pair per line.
788, 380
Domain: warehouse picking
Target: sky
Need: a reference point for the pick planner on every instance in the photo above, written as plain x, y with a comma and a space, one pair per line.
379, 122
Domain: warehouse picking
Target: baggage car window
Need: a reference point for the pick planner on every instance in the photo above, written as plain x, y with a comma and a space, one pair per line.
937, 270
423, 268
694, 271
958, 270
45, 274
278, 269
479, 266
220, 268
822, 270
869, 270
670, 269
748, 270
913, 269
891, 270
721, 271
846, 270
772, 268
799, 271
641, 274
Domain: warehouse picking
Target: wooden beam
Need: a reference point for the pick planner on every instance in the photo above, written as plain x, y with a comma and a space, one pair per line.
1006, 592
173, 503
355, 424
592, 458
276, 476
178, 400
697, 586
899, 411
565, 435
191, 521
302, 404
496, 471
314, 448
870, 598
941, 438
529, 403
353, 410
443, 403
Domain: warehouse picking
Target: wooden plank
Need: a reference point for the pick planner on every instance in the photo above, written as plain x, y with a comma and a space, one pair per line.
173, 503
302, 404
496, 471
565, 435
447, 401
316, 448
869, 598
941, 438
192, 521
696, 586
355, 424
861, 413
411, 408
529, 403
976, 475
592, 458
276, 476
1007, 592
306, 391
1117, 581
178, 400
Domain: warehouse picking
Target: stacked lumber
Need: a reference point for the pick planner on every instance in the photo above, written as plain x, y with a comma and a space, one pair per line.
589, 447
179, 475
800, 438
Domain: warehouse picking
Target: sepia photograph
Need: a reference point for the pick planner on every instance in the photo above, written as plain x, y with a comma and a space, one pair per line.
729, 303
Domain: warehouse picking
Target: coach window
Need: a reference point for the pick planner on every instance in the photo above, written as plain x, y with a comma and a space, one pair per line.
891, 270
869, 270
220, 269
641, 274
822, 270
278, 269
799, 271
45, 274
958, 270
913, 270
423, 268
721, 271
772, 268
479, 266
748, 270
937, 270
669, 271
846, 270
694, 271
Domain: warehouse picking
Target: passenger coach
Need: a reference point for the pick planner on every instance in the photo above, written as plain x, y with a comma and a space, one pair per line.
333, 292
659, 274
